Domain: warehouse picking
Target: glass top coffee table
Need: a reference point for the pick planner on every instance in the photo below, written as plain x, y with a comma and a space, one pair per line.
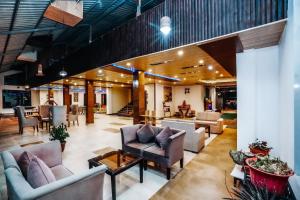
117, 162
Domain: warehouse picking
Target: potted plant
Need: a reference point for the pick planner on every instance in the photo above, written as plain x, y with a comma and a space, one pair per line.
269, 172
260, 147
239, 157
59, 133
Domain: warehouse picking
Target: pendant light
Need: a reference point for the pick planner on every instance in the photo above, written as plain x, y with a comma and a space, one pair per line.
40, 70
165, 22
63, 72
27, 87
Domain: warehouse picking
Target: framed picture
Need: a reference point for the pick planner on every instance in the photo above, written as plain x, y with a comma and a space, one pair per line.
75, 98
167, 94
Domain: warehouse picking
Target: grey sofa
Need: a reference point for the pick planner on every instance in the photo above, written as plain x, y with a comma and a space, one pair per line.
151, 151
194, 140
86, 185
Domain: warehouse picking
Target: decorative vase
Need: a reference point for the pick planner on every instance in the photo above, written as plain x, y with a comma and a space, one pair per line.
259, 151
274, 183
62, 144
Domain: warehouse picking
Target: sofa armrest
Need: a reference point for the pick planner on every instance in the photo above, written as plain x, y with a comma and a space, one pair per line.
86, 185
174, 149
128, 133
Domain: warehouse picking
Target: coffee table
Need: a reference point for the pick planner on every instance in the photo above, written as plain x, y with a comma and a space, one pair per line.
117, 162
206, 126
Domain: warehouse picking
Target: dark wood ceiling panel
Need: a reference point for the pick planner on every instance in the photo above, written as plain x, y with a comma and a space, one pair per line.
224, 52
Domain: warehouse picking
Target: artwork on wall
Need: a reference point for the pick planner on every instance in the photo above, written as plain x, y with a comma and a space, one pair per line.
167, 94
186, 90
75, 97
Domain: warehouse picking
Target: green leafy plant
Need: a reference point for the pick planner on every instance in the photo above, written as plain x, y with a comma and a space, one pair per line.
262, 145
59, 133
248, 191
238, 157
271, 165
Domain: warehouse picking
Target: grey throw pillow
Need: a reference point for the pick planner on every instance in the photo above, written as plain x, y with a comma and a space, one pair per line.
162, 138
145, 134
23, 162
38, 173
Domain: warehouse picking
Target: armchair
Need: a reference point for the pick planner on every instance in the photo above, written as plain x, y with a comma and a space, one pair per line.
25, 121
86, 185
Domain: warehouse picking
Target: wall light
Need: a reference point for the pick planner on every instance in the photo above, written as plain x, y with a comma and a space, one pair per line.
165, 25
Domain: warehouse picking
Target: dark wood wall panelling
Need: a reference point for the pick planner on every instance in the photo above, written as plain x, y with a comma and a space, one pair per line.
89, 101
192, 21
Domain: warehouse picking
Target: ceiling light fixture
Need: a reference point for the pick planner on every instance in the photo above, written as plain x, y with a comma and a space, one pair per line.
100, 71
184, 79
128, 64
159, 81
67, 80
63, 73
180, 52
40, 70
210, 67
122, 85
80, 76
175, 76
150, 70
221, 75
122, 75
217, 72
165, 25
201, 62
116, 80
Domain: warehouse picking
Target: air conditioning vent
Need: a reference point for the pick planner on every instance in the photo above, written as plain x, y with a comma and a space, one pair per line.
161, 62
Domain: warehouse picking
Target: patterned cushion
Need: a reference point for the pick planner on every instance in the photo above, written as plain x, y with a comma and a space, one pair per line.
145, 134
162, 138
38, 173
24, 161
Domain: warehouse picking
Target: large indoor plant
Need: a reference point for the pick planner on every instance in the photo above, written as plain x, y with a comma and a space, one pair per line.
259, 147
59, 133
269, 172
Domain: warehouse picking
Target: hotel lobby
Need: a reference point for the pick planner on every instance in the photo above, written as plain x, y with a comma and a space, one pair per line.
149, 99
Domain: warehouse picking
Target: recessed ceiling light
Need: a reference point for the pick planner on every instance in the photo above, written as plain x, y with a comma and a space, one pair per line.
180, 52
122, 75
184, 79
128, 64
159, 81
80, 76
149, 79
116, 80
210, 67
150, 70
75, 83
175, 76
100, 79
122, 85
174, 83
201, 62
100, 71
217, 71
221, 75
140, 72
67, 80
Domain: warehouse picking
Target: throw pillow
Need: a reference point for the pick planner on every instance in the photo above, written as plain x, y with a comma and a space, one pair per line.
24, 161
145, 134
39, 173
162, 138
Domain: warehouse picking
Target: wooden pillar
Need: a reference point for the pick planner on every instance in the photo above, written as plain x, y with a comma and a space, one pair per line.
138, 99
67, 97
50, 96
89, 101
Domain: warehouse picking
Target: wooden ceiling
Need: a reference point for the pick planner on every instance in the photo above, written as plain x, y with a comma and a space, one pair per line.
186, 66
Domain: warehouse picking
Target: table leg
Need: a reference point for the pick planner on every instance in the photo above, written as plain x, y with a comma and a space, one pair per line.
113, 187
208, 131
141, 171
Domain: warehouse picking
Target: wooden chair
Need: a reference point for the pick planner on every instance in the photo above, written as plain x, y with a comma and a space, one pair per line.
25, 121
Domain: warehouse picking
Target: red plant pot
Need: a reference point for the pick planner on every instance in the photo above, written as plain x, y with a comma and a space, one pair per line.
259, 151
274, 183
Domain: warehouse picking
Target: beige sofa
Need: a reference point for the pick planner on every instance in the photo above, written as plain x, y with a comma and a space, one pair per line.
211, 118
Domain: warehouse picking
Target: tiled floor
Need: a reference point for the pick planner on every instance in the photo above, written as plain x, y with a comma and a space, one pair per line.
84, 140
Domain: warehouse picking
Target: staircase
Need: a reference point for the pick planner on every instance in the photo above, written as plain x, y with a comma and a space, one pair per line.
126, 111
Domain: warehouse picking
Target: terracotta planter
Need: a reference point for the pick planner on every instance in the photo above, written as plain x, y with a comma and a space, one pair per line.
274, 183
63, 144
259, 151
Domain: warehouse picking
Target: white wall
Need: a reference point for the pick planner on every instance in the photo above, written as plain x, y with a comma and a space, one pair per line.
195, 98
159, 100
150, 100
117, 98
213, 96
80, 98
258, 97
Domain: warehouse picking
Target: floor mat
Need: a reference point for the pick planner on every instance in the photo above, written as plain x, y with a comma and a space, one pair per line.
117, 124
113, 130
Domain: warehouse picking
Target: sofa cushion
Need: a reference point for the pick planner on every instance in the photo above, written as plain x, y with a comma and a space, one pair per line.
162, 138
38, 173
156, 154
137, 148
61, 172
145, 134
24, 161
